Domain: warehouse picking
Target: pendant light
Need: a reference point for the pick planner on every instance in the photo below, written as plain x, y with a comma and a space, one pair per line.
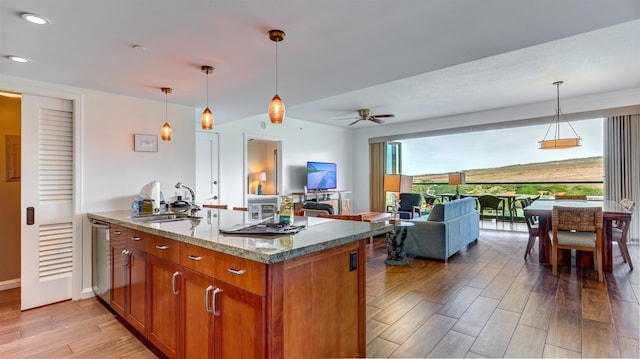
558, 142
166, 131
207, 119
276, 107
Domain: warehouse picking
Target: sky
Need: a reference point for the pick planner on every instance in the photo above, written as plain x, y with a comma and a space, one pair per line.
496, 148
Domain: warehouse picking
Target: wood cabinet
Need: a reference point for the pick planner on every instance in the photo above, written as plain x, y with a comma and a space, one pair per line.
128, 278
202, 303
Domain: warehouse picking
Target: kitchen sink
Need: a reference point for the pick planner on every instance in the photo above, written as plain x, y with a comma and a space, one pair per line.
164, 217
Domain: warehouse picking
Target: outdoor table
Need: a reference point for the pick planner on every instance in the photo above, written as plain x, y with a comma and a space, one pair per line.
611, 210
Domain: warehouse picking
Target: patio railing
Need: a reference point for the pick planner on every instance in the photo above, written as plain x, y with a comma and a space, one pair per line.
546, 190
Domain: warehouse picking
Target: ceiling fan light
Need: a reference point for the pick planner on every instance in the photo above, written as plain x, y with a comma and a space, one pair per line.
276, 110
166, 132
206, 120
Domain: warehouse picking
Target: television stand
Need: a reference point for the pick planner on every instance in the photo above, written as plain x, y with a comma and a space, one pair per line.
338, 199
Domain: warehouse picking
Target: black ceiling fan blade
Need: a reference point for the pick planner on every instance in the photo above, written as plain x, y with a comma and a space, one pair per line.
383, 116
373, 119
354, 122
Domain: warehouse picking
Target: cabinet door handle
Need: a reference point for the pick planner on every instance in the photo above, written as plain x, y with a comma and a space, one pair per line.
194, 258
162, 247
236, 271
135, 238
215, 293
206, 299
117, 233
173, 283
123, 258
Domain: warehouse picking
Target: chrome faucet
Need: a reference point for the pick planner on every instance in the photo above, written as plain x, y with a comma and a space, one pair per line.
194, 206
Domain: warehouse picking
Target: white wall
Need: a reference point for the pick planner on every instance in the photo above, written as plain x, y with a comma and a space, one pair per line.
109, 173
301, 142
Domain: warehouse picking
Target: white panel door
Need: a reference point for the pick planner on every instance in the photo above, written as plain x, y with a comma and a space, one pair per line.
47, 241
207, 167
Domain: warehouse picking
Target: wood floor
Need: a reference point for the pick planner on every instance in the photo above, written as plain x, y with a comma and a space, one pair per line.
485, 302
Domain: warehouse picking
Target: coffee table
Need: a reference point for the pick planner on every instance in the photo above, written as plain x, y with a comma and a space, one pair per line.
376, 216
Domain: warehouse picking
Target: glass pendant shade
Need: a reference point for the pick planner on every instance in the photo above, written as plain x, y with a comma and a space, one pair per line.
276, 106
207, 119
276, 110
166, 132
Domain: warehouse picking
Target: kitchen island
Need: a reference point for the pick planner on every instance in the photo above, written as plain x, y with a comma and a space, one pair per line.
195, 292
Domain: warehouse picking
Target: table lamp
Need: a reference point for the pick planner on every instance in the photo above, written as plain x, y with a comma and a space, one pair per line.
397, 183
457, 178
260, 177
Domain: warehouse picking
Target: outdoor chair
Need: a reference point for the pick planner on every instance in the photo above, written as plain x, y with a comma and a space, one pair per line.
491, 203
429, 199
620, 231
410, 205
534, 232
578, 228
582, 197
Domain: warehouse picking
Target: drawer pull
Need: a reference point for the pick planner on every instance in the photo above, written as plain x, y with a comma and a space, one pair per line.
194, 258
135, 238
215, 293
236, 271
173, 283
206, 299
117, 233
162, 247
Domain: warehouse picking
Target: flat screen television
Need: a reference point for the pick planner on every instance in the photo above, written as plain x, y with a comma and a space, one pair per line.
321, 176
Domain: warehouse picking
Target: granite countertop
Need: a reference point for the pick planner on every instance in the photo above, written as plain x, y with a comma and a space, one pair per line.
319, 234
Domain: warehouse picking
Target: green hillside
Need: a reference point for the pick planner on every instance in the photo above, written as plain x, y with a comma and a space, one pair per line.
572, 170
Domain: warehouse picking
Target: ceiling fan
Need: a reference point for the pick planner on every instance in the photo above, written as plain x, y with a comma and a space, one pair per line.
365, 115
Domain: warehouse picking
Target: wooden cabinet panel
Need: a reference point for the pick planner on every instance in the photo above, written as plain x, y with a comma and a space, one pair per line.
164, 248
118, 277
323, 289
197, 292
128, 279
242, 273
197, 258
240, 326
163, 278
137, 296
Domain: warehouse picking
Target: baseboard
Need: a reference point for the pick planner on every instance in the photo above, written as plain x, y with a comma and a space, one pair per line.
87, 293
10, 284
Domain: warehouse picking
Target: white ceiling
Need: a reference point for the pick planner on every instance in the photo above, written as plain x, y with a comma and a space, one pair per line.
417, 59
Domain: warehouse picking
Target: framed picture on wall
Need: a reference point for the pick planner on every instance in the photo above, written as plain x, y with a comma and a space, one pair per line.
145, 143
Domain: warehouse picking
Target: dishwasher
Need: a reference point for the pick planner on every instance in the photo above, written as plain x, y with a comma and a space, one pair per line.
101, 259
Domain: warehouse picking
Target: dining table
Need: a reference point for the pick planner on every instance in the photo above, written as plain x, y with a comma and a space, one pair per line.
611, 211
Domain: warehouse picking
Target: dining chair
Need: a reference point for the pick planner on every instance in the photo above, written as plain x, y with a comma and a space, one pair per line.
534, 232
216, 206
348, 217
488, 201
578, 228
571, 196
620, 231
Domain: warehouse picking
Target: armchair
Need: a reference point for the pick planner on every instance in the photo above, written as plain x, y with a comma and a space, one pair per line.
410, 205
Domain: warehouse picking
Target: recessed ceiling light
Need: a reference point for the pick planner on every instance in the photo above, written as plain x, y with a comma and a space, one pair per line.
18, 59
34, 18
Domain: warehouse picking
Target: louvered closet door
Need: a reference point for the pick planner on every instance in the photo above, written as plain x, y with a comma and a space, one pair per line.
47, 200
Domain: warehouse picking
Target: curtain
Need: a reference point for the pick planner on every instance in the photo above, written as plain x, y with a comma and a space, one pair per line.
622, 163
377, 201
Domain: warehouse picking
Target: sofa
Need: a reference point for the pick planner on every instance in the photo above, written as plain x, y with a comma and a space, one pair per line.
450, 227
